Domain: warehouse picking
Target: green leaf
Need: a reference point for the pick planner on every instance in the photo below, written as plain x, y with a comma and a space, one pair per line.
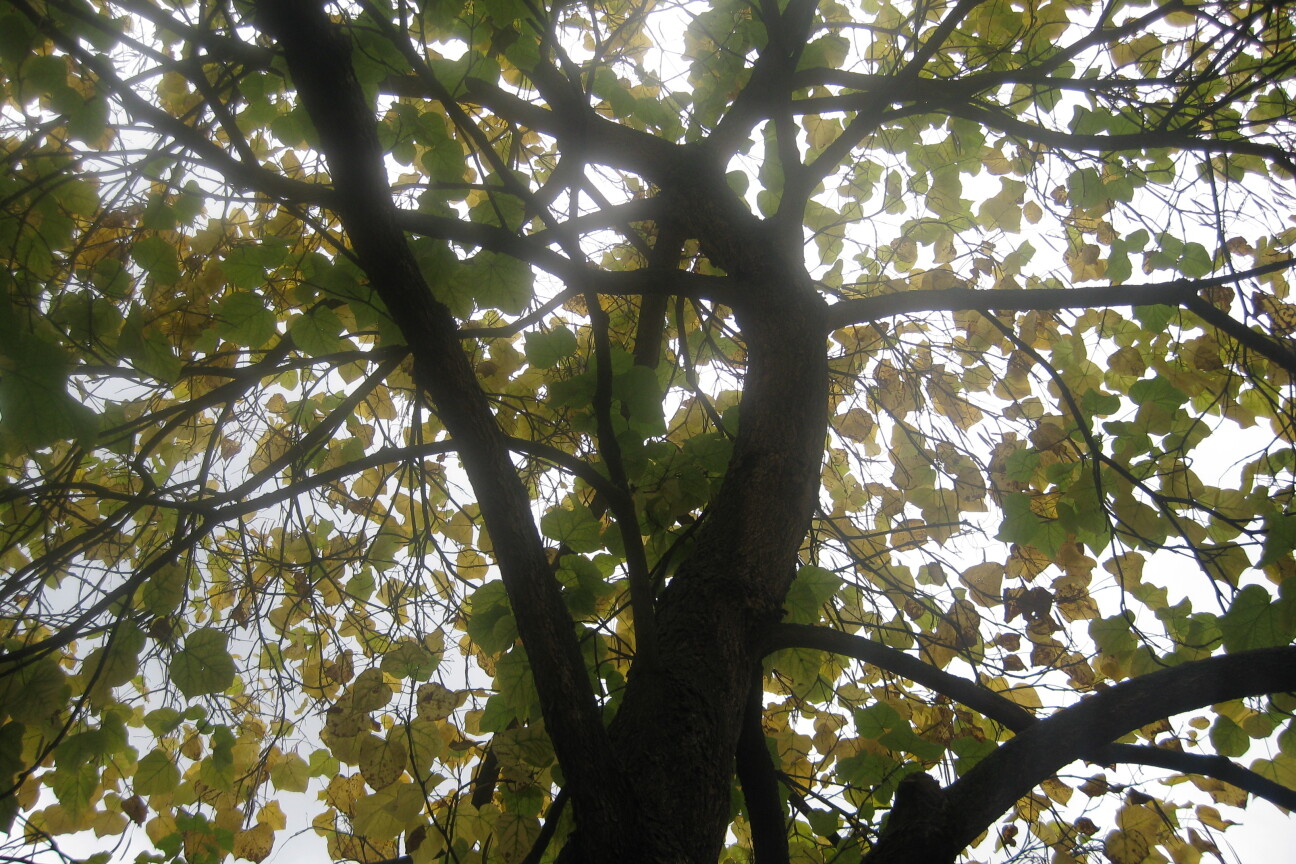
1158, 392
575, 527
34, 403
28, 691
146, 348
969, 751
117, 663
1155, 318
245, 265
641, 396
547, 349
1254, 621
163, 720
158, 258
516, 684
317, 332
156, 774
864, 770
1228, 738
1098, 403
1280, 538
165, 589
496, 281
812, 588
490, 619
76, 788
204, 665
1085, 188
906, 740
875, 720
1112, 635
242, 318
1004, 210
410, 659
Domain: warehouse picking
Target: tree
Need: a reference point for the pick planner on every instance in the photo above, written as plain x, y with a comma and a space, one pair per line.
637, 432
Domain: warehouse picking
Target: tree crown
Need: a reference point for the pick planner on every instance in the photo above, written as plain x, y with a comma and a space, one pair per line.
452, 409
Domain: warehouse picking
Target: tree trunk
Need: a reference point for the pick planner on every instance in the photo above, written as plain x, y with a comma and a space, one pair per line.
677, 729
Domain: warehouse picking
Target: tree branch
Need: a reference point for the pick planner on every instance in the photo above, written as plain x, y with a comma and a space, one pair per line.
621, 499
318, 57
961, 690
1219, 767
984, 793
1017, 719
760, 785
1148, 140
771, 77
1178, 292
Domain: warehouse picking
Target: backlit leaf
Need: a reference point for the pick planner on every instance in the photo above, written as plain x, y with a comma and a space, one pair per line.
203, 665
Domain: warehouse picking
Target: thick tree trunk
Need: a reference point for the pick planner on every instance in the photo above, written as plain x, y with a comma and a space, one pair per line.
661, 792
677, 730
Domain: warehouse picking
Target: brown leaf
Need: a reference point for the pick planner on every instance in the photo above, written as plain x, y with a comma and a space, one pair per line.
136, 809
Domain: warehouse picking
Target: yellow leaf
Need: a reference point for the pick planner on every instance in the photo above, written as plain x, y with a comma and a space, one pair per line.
428, 741
1022, 695
1057, 790
255, 843
370, 691
1281, 769
272, 814
108, 824
909, 533
435, 702
1138, 819
1031, 806
1122, 847
459, 528
471, 565
342, 792
425, 845
1210, 817
1127, 568
387, 813
985, 581
856, 425
1027, 562
382, 761
515, 834
1181, 852
1045, 505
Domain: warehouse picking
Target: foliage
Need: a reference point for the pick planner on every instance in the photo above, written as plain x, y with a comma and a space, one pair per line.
431, 418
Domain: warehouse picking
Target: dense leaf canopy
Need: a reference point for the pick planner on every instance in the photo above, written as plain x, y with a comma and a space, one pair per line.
625, 430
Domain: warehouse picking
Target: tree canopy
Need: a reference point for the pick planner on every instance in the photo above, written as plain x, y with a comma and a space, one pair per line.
723, 430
